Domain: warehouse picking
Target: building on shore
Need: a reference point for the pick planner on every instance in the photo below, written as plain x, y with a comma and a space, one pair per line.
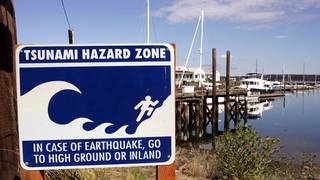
192, 74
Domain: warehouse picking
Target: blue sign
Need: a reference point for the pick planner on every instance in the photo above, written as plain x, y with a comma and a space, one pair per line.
83, 106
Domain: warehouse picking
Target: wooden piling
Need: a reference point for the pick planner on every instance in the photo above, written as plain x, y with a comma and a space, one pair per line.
178, 122
205, 115
197, 120
214, 90
237, 112
196, 114
191, 118
185, 121
214, 110
245, 122
201, 118
227, 98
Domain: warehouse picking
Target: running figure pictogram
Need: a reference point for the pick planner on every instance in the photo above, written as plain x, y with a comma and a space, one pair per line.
144, 106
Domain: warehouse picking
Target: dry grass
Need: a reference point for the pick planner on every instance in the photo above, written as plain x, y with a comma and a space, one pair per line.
132, 173
191, 164
196, 163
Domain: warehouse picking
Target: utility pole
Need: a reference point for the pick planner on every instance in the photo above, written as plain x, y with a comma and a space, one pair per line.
71, 36
148, 21
9, 153
70, 31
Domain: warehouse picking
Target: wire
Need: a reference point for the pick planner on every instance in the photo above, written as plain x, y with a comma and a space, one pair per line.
65, 13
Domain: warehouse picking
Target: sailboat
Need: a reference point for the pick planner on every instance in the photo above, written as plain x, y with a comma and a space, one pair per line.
199, 74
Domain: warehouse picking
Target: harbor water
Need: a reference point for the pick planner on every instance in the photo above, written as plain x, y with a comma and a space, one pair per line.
295, 119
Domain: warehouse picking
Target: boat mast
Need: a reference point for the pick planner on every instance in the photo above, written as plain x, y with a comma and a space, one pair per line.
256, 66
201, 42
283, 78
148, 22
304, 78
189, 53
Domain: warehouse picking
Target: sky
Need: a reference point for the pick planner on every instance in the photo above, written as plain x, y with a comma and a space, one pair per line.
275, 36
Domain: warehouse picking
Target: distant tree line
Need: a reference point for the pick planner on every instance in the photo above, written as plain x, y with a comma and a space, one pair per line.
293, 77
287, 77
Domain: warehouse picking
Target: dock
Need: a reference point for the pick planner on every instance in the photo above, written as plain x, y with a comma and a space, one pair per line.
198, 110
272, 95
203, 92
194, 113
197, 113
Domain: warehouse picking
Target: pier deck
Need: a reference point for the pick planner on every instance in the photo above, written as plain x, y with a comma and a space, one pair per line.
271, 95
208, 93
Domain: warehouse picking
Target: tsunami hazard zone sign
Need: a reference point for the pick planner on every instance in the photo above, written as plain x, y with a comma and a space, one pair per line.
83, 106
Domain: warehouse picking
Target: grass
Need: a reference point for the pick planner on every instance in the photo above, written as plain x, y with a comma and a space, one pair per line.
194, 163
132, 173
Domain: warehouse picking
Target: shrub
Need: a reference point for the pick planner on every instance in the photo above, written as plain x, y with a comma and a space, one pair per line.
244, 154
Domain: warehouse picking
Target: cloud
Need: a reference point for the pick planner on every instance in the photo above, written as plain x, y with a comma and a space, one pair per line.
256, 13
280, 37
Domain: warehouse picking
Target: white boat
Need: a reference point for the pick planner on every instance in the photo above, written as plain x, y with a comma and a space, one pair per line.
278, 86
255, 82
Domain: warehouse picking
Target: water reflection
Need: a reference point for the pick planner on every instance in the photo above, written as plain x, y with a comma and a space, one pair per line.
295, 120
255, 108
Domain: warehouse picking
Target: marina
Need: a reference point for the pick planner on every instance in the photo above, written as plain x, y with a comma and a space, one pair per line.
118, 89
290, 116
285, 110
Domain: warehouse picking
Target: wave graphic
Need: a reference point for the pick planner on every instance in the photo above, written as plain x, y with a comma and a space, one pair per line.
36, 123
117, 96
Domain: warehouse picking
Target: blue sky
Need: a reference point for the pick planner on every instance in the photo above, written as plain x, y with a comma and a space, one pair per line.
278, 34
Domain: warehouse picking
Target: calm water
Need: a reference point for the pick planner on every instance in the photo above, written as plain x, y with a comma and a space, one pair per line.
295, 119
